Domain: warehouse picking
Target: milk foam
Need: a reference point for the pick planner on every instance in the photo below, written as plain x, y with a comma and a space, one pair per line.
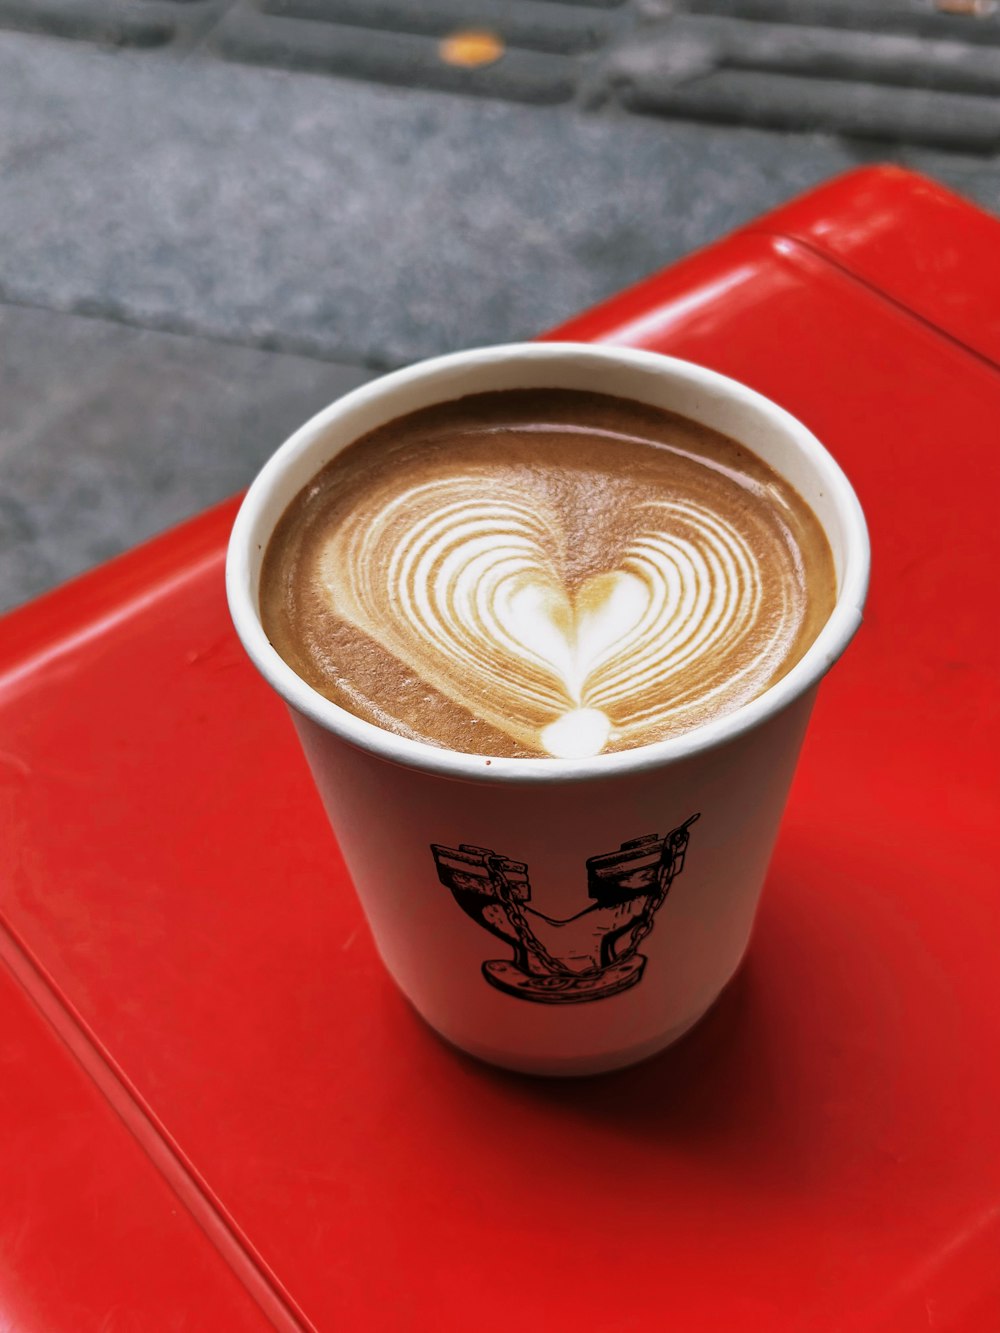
572, 597
468, 594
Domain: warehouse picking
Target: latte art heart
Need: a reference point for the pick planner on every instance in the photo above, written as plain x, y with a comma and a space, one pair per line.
471, 596
544, 573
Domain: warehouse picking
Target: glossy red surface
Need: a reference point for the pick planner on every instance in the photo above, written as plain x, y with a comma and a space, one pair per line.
91, 1234
820, 1154
914, 241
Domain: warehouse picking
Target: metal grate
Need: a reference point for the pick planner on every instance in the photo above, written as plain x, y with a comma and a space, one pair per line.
743, 63
540, 44
907, 71
108, 22
917, 18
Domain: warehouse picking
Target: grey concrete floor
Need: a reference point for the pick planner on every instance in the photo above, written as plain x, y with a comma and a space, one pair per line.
195, 256
111, 433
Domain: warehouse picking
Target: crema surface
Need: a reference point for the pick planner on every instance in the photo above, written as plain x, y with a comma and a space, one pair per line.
545, 572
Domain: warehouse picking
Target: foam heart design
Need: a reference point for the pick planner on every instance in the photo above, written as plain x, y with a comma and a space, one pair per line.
572, 634
470, 596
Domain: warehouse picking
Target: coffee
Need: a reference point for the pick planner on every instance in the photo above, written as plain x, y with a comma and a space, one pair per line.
545, 572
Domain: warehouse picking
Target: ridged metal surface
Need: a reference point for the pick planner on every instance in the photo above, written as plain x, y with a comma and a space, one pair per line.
903, 71
894, 72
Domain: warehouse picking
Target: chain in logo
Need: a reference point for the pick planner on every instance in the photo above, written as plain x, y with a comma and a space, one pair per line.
589, 956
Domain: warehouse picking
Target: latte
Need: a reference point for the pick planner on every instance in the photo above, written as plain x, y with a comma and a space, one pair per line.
545, 572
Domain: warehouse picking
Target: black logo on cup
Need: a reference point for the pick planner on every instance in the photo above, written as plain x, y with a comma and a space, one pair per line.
589, 956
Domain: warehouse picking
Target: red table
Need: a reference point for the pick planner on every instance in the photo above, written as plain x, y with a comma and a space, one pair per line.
216, 1112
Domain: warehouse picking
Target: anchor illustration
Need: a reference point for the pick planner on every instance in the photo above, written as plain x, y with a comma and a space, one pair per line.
589, 956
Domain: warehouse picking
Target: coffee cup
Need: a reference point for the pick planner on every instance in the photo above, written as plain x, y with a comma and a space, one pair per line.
559, 916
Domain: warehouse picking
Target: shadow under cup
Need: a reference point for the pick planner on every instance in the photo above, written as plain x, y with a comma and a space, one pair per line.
559, 916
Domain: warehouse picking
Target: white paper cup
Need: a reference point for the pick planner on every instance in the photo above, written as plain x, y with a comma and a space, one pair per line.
492, 886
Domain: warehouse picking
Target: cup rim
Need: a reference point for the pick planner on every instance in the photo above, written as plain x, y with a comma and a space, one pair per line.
828, 645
